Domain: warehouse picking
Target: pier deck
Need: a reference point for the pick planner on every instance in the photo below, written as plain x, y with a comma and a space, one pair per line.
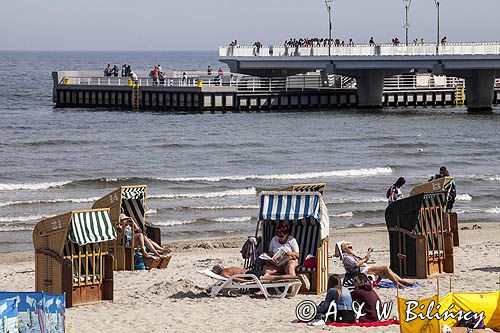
246, 93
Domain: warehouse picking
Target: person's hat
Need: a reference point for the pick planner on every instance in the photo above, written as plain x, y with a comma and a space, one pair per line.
124, 217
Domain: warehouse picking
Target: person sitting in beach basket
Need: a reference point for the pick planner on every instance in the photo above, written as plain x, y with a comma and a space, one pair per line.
286, 245
141, 241
355, 265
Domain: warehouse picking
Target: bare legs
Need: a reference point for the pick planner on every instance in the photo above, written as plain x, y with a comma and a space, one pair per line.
388, 273
143, 241
288, 268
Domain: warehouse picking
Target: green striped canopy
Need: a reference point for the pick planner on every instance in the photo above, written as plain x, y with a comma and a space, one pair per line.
91, 227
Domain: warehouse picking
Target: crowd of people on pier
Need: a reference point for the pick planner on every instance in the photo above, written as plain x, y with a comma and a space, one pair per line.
115, 71
316, 42
325, 42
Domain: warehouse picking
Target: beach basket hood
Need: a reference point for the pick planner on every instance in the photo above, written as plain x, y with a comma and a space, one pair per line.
295, 207
91, 227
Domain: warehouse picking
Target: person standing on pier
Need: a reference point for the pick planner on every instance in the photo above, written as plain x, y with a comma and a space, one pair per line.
209, 71
134, 76
124, 70
108, 70
372, 42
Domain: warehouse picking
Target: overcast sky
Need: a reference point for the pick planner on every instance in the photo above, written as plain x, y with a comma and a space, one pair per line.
205, 24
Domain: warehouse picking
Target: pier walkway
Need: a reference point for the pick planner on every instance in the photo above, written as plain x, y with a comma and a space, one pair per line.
477, 63
234, 92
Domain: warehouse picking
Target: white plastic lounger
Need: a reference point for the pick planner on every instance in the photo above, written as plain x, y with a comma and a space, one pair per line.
229, 283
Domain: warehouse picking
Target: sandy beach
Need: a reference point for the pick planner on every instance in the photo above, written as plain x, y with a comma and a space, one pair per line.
174, 299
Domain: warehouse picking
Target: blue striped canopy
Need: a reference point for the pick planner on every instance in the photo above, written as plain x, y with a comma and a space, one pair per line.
289, 206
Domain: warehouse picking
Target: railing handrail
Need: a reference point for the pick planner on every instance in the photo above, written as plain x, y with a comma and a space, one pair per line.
412, 49
310, 81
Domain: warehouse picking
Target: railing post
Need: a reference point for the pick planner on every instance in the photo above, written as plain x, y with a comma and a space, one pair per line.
99, 81
253, 85
109, 81
304, 82
270, 80
119, 81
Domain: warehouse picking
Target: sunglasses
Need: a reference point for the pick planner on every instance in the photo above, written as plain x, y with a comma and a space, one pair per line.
349, 247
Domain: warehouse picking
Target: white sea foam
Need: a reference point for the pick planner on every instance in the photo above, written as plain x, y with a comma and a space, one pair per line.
224, 207
151, 211
357, 200
464, 197
32, 186
233, 219
490, 178
8, 227
172, 223
221, 194
33, 202
22, 218
494, 211
289, 176
344, 214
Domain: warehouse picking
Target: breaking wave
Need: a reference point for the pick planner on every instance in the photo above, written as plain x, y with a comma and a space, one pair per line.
289, 176
32, 186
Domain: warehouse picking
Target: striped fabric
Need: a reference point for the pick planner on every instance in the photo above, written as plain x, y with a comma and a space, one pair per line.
431, 218
289, 206
135, 209
133, 192
306, 233
91, 227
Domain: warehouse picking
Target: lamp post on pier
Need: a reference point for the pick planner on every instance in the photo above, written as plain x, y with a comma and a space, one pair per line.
329, 9
437, 40
407, 4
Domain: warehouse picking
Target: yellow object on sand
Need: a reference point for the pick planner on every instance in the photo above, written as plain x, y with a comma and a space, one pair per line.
487, 304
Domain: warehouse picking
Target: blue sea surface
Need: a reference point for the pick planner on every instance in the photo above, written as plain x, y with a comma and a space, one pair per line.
203, 171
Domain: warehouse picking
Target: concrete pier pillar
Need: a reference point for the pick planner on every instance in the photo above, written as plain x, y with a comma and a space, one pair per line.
370, 88
480, 89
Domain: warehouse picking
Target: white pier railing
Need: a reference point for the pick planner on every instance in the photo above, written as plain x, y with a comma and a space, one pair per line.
492, 48
250, 84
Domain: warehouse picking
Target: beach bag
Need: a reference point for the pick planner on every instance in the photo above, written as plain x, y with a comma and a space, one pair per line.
310, 261
139, 262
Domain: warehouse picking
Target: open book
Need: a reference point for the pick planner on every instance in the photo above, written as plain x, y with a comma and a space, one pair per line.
279, 259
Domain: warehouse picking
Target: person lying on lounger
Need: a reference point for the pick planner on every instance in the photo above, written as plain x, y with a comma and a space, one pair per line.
283, 241
354, 264
261, 275
142, 242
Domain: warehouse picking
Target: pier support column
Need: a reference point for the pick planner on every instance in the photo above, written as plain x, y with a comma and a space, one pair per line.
480, 89
370, 88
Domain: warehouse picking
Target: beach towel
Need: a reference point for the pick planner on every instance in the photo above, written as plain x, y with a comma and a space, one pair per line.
391, 285
374, 324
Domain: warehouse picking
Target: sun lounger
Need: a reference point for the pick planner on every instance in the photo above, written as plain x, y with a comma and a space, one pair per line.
253, 283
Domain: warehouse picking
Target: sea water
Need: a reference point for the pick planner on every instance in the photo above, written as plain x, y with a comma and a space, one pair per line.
203, 171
